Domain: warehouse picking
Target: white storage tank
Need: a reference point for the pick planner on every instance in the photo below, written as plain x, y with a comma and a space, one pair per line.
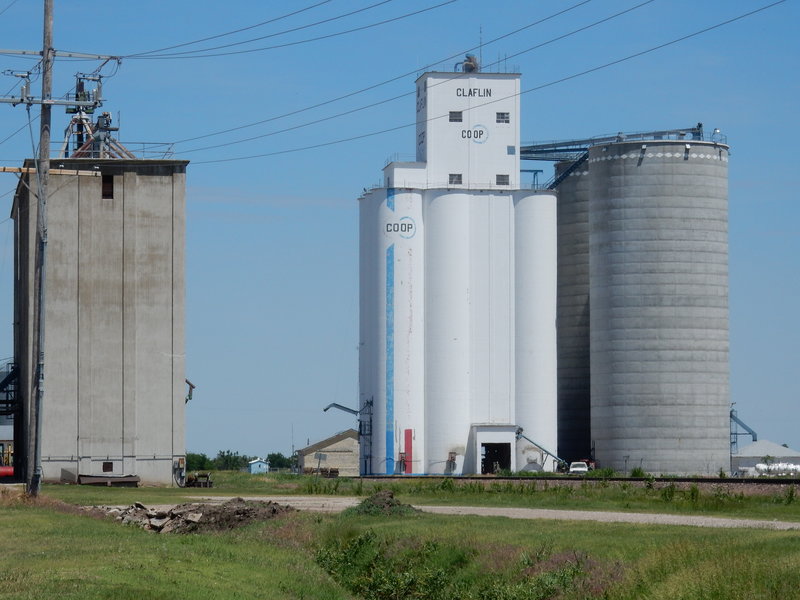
535, 327
392, 355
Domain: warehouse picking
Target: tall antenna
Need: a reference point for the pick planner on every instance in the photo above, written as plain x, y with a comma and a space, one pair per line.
480, 43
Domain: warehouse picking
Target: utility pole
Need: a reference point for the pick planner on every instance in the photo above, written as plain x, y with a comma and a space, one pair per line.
42, 176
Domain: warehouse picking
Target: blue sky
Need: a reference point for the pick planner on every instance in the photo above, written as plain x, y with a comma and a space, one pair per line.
272, 242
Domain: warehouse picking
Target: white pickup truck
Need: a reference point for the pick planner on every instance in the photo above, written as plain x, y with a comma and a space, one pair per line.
578, 468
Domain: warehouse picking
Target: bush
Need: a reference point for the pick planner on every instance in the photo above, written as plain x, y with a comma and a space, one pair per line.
638, 472
231, 461
381, 503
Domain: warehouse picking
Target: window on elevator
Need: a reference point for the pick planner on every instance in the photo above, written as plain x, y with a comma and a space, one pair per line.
108, 187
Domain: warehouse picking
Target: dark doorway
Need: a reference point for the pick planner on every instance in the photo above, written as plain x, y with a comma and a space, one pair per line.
495, 457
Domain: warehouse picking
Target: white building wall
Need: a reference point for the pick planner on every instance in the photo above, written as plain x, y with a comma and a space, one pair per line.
391, 297
491, 303
447, 331
535, 358
478, 147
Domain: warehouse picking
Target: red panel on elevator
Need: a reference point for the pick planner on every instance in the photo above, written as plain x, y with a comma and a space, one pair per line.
409, 455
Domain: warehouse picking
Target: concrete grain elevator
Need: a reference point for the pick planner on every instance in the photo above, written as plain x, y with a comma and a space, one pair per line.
113, 402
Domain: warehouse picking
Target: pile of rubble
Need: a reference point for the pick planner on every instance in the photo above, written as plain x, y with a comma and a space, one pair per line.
194, 517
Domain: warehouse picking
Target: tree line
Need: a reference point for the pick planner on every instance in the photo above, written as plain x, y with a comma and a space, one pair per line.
227, 460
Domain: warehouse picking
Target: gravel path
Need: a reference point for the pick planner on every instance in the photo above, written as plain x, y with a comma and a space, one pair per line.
333, 504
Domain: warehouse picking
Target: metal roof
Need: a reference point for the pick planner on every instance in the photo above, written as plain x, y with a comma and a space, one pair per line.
766, 448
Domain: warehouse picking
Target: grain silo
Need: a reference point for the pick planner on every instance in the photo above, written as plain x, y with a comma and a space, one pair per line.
114, 384
574, 397
642, 299
659, 305
457, 348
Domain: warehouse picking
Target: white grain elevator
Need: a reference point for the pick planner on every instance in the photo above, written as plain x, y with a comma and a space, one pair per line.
458, 293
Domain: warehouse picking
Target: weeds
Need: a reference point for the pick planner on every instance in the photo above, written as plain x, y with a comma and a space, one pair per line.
376, 568
638, 473
381, 503
694, 494
668, 492
322, 486
604, 473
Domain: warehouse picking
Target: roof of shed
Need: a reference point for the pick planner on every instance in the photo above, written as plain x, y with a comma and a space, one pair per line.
348, 433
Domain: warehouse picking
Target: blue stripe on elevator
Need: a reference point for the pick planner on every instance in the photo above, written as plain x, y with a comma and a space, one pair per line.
390, 360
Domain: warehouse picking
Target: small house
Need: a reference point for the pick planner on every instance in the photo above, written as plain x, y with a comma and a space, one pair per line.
259, 465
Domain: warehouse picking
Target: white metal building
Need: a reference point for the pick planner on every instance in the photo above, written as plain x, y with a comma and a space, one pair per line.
458, 293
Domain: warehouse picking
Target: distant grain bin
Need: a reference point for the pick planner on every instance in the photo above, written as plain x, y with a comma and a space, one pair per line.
658, 253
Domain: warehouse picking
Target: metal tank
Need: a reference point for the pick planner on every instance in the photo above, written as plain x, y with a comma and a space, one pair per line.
659, 306
574, 428
535, 327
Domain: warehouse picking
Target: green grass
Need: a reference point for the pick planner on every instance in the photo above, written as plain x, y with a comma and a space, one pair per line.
50, 553
590, 494
625, 562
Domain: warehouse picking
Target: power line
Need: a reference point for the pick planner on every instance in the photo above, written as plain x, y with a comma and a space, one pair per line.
385, 82
296, 43
405, 94
8, 137
285, 31
12, 3
528, 91
227, 33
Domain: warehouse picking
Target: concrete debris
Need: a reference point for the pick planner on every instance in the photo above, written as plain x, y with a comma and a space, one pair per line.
194, 517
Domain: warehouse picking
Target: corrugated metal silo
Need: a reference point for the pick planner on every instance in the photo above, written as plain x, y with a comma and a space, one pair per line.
659, 305
574, 426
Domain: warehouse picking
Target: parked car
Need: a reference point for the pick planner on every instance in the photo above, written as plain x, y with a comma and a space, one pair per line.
578, 468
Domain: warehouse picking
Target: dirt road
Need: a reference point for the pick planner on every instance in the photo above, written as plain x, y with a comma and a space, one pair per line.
333, 504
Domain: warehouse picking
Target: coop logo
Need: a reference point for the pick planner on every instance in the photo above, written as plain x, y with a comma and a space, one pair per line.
405, 227
478, 134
